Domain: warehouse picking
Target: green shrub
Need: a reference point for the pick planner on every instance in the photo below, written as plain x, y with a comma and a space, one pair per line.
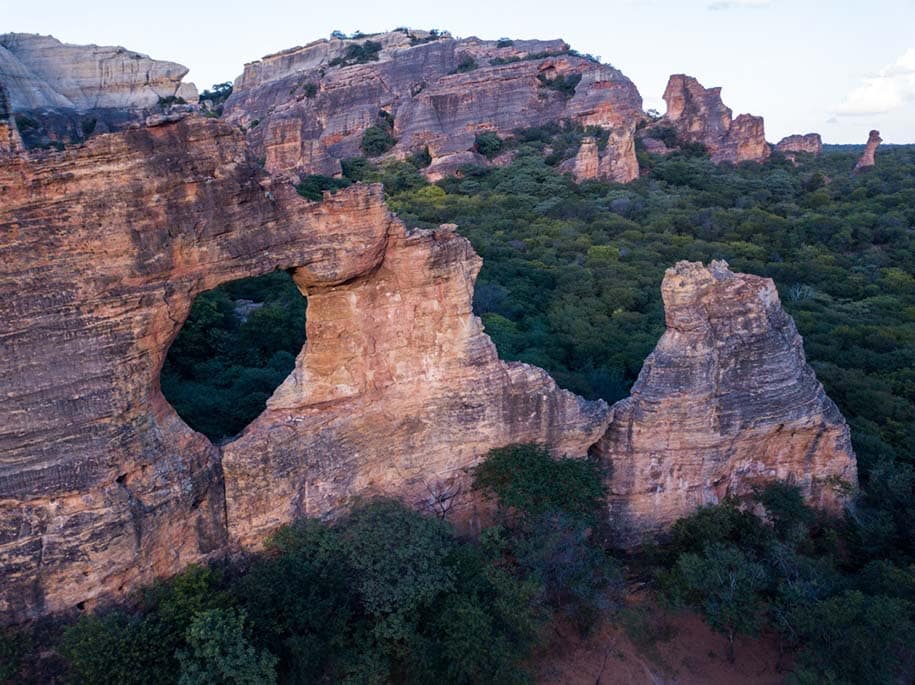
313, 186
377, 140
853, 638
562, 83
358, 54
488, 144
466, 63
218, 651
527, 479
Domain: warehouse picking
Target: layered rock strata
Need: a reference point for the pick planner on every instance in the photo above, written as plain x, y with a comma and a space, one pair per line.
40, 72
306, 111
66, 92
726, 401
10, 141
105, 246
868, 158
698, 115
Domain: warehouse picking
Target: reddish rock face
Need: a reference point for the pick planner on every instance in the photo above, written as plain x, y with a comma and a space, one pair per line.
439, 95
726, 401
102, 486
699, 116
809, 143
868, 158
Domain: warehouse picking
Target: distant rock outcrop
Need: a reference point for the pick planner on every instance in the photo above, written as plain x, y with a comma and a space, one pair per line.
307, 108
726, 401
808, 143
868, 158
65, 92
698, 115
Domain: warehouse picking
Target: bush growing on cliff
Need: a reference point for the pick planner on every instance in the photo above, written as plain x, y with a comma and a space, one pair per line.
562, 83
313, 186
357, 54
376, 140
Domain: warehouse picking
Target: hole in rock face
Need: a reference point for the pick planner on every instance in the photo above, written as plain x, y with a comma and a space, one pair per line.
237, 346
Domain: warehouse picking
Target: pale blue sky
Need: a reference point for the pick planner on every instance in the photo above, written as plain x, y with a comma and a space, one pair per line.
840, 68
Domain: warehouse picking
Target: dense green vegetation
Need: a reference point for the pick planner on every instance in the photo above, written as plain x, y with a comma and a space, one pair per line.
237, 346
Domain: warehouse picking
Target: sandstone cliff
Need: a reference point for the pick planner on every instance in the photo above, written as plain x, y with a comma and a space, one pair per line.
67, 91
102, 486
726, 401
306, 111
868, 158
698, 115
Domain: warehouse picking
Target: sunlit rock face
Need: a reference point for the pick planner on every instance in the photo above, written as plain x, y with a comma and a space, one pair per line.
305, 114
698, 115
105, 246
868, 158
724, 403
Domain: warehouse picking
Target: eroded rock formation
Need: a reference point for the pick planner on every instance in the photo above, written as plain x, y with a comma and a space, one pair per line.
726, 401
868, 158
40, 72
102, 486
305, 112
698, 115
809, 143
66, 92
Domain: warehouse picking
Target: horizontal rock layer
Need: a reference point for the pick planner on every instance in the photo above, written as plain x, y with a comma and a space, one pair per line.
725, 402
40, 72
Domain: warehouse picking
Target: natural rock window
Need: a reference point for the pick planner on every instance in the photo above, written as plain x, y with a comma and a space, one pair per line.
238, 344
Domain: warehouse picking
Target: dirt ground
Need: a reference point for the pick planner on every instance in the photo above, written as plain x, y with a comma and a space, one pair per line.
645, 644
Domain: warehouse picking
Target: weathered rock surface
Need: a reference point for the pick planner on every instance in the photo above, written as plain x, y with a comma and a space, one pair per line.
616, 162
439, 95
64, 93
868, 158
699, 116
102, 486
808, 143
40, 72
726, 401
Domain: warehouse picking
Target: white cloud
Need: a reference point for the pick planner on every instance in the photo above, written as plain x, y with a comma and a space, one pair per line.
888, 90
738, 4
